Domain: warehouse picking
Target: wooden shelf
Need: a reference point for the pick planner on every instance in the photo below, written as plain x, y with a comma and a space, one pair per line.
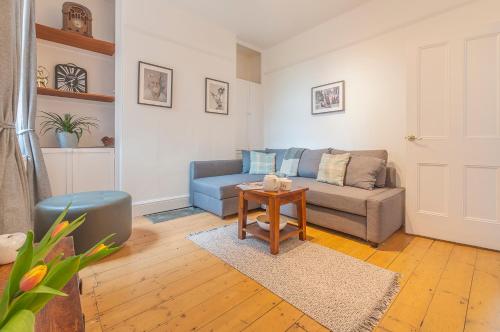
74, 39
65, 94
286, 233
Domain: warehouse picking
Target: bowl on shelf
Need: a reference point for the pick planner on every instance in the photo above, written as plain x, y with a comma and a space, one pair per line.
263, 222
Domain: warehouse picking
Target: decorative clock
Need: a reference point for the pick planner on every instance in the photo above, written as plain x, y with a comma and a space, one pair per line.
77, 18
71, 78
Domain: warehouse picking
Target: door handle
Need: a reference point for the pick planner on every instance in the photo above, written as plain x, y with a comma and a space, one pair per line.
412, 138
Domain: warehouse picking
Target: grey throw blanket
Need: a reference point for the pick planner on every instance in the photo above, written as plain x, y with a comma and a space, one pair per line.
291, 160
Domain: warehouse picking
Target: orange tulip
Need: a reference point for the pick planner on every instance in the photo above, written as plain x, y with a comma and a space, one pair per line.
97, 249
59, 228
32, 278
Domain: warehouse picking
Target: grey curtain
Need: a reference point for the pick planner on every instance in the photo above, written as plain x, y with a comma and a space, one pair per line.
18, 103
38, 180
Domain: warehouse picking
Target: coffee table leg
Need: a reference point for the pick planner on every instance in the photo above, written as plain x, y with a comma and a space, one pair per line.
242, 216
274, 225
301, 216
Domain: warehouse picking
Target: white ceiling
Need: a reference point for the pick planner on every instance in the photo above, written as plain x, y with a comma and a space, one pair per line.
264, 23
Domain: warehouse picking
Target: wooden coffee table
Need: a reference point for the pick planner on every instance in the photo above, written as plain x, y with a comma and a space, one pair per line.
273, 200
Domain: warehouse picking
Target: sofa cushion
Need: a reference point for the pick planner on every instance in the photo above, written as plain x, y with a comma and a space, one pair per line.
332, 168
309, 162
346, 199
262, 163
290, 165
224, 186
381, 154
362, 171
245, 155
280, 154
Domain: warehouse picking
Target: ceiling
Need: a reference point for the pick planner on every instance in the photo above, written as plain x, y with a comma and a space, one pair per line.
265, 23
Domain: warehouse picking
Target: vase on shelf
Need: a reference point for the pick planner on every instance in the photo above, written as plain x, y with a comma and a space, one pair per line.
67, 140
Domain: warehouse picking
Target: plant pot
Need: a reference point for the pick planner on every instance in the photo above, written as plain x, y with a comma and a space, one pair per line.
67, 140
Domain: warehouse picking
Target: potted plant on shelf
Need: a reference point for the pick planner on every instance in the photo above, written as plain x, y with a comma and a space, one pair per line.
68, 128
34, 280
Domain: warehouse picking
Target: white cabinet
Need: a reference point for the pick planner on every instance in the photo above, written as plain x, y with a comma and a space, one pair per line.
77, 170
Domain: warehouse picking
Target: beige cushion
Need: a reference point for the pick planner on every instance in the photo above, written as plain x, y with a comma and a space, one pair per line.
346, 199
362, 171
332, 168
381, 154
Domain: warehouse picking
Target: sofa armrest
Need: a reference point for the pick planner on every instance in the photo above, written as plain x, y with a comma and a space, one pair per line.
385, 214
203, 169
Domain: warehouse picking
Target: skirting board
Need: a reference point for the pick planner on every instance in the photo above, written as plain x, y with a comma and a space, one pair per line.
160, 204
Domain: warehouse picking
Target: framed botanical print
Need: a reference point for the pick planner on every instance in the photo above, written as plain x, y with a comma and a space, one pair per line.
216, 96
155, 85
328, 98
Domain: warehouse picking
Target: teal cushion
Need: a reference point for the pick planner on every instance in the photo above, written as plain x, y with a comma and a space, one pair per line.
280, 154
245, 154
262, 163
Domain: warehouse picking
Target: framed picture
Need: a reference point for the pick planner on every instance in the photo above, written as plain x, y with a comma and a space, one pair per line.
216, 96
155, 85
328, 98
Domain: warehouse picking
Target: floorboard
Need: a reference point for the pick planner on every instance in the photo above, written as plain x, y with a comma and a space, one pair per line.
160, 281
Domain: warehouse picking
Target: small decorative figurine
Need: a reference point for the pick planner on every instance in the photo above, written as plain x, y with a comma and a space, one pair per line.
77, 18
42, 77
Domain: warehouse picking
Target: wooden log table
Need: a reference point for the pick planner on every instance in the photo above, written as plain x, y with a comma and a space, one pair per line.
273, 200
61, 314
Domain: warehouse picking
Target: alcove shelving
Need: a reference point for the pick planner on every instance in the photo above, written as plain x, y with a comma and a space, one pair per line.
76, 40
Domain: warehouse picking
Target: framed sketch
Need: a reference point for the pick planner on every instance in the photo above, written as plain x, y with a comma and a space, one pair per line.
328, 98
216, 96
155, 85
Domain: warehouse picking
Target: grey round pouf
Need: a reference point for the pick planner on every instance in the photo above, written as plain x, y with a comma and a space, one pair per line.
108, 212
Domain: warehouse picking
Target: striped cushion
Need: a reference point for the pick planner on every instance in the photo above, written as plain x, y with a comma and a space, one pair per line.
262, 163
332, 168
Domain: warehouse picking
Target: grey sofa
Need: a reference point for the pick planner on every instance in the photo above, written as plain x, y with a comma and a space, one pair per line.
372, 215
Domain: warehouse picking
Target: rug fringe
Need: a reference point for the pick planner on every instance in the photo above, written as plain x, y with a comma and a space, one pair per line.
372, 321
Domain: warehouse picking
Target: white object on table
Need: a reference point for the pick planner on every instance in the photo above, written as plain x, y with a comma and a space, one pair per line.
263, 222
9, 244
271, 183
285, 184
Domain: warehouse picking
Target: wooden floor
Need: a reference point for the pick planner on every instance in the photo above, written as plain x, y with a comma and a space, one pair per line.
160, 281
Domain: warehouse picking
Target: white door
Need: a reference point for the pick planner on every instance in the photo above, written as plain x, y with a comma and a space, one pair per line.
453, 170
93, 169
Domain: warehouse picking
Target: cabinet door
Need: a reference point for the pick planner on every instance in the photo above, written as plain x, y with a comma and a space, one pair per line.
93, 169
58, 163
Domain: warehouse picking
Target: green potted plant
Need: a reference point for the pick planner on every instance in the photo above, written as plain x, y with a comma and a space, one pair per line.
68, 128
34, 281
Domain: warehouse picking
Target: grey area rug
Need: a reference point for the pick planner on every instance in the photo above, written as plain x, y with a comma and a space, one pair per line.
173, 214
340, 292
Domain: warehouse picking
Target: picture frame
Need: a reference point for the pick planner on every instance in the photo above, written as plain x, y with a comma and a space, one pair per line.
155, 85
328, 98
216, 96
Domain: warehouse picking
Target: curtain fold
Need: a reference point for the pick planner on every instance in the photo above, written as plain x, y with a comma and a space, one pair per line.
38, 181
15, 212
18, 104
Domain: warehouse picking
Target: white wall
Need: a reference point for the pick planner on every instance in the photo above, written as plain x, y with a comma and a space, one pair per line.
157, 144
367, 49
100, 69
